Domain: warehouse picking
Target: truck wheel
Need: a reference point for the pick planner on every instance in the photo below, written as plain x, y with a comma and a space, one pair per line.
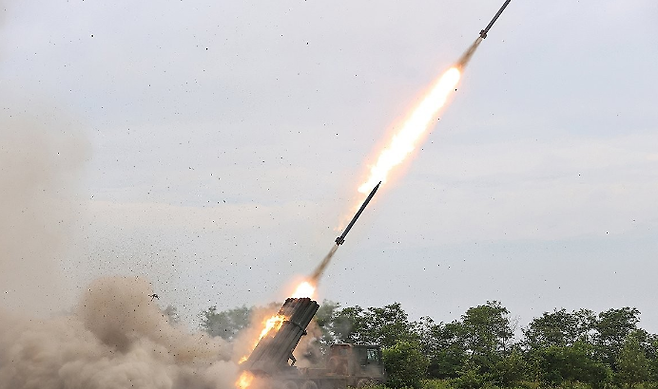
310, 385
289, 385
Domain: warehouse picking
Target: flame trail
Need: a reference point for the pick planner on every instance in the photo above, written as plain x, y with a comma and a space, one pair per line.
405, 141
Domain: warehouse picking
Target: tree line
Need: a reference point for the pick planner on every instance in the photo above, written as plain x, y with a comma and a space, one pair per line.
483, 349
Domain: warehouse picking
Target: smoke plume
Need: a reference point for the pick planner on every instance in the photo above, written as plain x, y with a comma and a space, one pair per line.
41, 156
115, 338
317, 273
466, 57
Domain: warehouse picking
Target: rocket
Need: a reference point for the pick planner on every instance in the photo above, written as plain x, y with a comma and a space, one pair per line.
341, 239
483, 33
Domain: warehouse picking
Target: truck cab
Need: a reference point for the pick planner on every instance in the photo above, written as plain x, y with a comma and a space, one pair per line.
361, 363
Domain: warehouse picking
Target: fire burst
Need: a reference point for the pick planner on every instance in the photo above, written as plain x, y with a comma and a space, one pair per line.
305, 289
404, 142
245, 380
272, 325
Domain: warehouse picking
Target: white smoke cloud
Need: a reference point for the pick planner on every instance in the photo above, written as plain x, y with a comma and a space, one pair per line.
115, 338
41, 155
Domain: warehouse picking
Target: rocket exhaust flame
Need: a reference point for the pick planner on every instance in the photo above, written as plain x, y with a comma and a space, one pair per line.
405, 141
244, 381
305, 289
401, 145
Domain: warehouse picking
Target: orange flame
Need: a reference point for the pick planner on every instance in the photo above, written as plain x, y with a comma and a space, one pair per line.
414, 128
272, 325
305, 289
244, 381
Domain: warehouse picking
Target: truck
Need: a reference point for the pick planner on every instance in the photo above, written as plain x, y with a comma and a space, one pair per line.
345, 364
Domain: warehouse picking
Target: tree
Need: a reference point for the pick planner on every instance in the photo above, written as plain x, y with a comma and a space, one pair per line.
510, 370
325, 318
612, 328
405, 364
388, 325
574, 363
443, 344
632, 363
383, 326
559, 328
348, 325
225, 324
487, 332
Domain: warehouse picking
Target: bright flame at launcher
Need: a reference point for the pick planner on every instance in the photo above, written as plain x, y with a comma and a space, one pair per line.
270, 328
305, 289
244, 380
272, 325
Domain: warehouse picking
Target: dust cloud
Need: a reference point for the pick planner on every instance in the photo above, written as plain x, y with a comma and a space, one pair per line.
41, 157
114, 338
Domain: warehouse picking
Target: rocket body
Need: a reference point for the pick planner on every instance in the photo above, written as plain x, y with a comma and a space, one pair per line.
483, 33
341, 239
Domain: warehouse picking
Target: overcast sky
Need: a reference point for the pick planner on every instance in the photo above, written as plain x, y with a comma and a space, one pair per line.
216, 146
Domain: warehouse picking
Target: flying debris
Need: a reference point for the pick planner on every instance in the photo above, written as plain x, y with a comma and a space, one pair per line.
154, 296
483, 33
341, 239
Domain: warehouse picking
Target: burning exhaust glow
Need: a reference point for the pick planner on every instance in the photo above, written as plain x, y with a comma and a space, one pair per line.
245, 380
273, 323
270, 327
305, 289
403, 142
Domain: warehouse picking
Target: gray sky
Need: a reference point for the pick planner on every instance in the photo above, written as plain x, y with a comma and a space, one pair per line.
226, 141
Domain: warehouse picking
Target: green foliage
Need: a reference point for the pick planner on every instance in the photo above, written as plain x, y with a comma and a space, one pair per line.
443, 344
325, 319
612, 328
471, 379
384, 326
569, 364
436, 384
632, 363
559, 328
225, 324
510, 370
487, 332
405, 364
559, 349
